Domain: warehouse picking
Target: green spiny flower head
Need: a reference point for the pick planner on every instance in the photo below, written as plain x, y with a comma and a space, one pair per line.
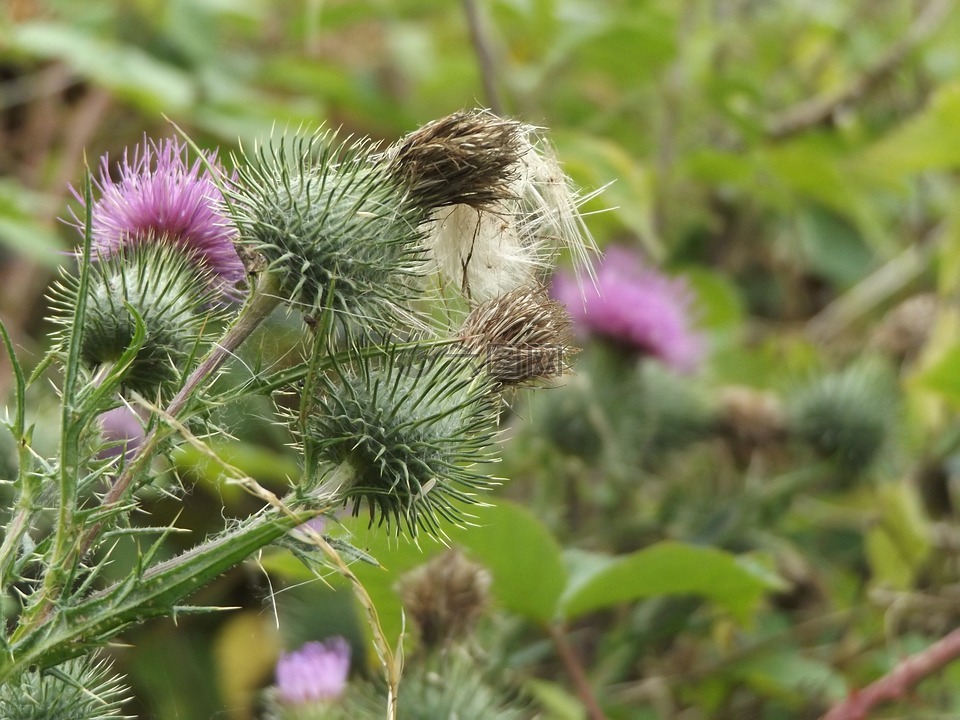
82, 688
444, 685
847, 416
408, 430
335, 227
157, 284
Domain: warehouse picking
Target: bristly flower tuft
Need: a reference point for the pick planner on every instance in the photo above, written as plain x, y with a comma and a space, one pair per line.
160, 197
520, 337
468, 158
334, 227
407, 429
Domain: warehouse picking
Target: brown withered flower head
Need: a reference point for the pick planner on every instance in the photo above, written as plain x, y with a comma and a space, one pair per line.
520, 337
445, 597
467, 158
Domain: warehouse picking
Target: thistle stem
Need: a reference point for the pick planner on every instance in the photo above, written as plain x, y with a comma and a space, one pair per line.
896, 683
259, 305
575, 670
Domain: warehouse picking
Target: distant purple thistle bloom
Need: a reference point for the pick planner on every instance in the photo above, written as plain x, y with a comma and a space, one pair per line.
122, 432
315, 672
635, 306
160, 196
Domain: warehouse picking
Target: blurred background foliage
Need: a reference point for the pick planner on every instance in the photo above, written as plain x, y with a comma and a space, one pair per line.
748, 542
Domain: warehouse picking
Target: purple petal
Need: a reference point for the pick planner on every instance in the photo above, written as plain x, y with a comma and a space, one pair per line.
159, 197
637, 307
317, 671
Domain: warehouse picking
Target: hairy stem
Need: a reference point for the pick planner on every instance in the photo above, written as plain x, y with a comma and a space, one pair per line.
575, 670
481, 46
260, 304
896, 683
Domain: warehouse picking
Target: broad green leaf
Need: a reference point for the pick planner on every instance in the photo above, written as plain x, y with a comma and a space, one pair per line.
789, 674
522, 555
719, 305
557, 701
929, 140
899, 544
126, 69
944, 376
669, 568
20, 229
265, 465
517, 549
833, 247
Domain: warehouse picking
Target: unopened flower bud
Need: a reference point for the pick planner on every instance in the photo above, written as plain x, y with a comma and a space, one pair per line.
407, 430
156, 283
335, 228
846, 416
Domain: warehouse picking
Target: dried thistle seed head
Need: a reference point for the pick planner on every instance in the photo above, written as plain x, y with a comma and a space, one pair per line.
407, 429
753, 417
520, 337
446, 597
335, 228
156, 282
490, 249
468, 158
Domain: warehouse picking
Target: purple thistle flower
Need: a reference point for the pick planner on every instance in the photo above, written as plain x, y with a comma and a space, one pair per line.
635, 306
315, 672
159, 197
122, 431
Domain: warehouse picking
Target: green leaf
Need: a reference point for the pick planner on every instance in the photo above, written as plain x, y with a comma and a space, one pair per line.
833, 247
789, 674
20, 229
719, 305
521, 554
518, 550
669, 568
125, 69
944, 376
558, 702
929, 140
899, 544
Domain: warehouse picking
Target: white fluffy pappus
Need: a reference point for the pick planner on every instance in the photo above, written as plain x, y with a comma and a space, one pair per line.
488, 252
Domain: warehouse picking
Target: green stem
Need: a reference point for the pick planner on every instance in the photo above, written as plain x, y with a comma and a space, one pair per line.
260, 303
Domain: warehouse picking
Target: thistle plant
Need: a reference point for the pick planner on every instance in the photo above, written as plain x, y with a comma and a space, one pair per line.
396, 403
